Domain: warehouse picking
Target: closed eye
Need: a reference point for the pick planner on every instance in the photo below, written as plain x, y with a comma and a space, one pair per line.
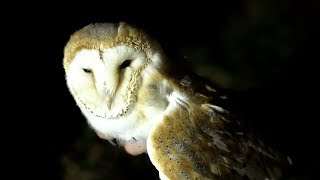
86, 70
125, 64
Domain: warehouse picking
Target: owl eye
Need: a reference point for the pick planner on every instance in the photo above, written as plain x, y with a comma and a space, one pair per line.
125, 64
86, 70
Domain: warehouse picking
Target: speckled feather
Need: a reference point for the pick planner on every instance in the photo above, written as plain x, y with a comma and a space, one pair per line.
199, 139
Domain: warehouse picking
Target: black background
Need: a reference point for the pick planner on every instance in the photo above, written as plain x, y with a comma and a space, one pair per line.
44, 120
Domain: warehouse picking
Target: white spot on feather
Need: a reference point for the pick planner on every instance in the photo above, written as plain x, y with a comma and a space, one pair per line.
217, 108
289, 160
209, 88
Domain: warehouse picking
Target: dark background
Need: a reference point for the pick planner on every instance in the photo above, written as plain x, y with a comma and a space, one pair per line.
265, 51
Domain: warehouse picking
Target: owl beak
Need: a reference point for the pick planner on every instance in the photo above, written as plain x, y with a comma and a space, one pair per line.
109, 102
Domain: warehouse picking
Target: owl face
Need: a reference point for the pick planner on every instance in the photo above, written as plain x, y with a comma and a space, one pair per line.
112, 72
105, 81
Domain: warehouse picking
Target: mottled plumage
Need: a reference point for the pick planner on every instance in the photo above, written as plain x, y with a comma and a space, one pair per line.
130, 91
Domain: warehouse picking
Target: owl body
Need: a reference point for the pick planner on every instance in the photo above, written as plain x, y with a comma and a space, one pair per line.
130, 91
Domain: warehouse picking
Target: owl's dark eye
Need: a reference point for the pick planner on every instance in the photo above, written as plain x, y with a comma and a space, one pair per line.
86, 70
125, 64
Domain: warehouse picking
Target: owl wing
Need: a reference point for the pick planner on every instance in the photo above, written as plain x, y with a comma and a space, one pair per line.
196, 139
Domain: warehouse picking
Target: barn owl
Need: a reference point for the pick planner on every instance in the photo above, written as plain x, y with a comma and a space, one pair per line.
131, 92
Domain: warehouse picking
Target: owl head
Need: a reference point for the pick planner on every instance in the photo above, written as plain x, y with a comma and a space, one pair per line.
109, 68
